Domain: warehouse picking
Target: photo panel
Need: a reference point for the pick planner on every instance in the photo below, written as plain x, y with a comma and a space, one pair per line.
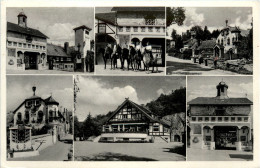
50, 40
130, 40
39, 118
220, 118
130, 118
209, 41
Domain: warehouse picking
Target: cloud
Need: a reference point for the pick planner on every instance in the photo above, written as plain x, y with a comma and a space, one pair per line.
243, 24
97, 98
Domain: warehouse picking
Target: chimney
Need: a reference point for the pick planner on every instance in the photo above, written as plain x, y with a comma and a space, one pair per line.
222, 90
66, 46
226, 23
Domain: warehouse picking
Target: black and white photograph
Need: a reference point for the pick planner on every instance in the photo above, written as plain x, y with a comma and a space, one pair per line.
49, 40
130, 40
209, 41
220, 118
39, 118
130, 118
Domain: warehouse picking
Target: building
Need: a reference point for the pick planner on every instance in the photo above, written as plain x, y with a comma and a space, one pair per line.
26, 47
229, 38
220, 122
83, 46
60, 58
206, 48
37, 116
133, 122
131, 26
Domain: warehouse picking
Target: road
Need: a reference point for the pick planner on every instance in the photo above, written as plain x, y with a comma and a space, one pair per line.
56, 152
94, 151
176, 66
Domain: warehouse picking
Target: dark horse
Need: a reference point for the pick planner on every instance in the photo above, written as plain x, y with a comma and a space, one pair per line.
135, 58
126, 56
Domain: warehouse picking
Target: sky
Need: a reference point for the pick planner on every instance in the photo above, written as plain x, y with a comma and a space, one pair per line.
214, 18
99, 95
20, 87
56, 23
201, 86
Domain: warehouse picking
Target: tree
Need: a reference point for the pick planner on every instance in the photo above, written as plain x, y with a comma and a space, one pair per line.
175, 16
178, 42
199, 32
77, 128
89, 127
215, 33
206, 34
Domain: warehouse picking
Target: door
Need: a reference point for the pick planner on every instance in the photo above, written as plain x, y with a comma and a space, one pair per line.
225, 137
33, 61
51, 64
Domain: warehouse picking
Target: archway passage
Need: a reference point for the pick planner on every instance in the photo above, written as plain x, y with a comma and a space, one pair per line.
101, 41
225, 137
30, 60
135, 41
177, 138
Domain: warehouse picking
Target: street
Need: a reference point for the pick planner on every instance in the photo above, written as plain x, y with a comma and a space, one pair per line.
176, 66
56, 152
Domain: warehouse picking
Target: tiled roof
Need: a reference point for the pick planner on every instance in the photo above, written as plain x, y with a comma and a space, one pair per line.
106, 17
139, 9
218, 101
207, 44
28, 31
55, 50
83, 27
50, 100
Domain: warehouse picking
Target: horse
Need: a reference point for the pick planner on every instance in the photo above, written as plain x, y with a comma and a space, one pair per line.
154, 62
117, 53
135, 59
147, 58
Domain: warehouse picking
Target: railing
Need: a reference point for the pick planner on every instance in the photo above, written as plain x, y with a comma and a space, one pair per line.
215, 119
141, 132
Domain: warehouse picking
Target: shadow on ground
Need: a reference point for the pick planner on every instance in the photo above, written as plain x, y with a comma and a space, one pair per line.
179, 150
241, 156
111, 157
175, 66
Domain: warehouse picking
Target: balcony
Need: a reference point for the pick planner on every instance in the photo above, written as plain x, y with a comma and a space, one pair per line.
220, 119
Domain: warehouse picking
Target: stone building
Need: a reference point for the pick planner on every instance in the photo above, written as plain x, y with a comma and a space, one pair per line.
220, 122
26, 47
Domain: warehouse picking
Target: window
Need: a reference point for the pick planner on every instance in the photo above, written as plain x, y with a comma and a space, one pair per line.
197, 129
40, 117
239, 119
142, 29
220, 119
101, 28
150, 29
61, 59
19, 116
29, 45
193, 118
27, 117
226, 119
208, 138
222, 42
24, 45
124, 116
233, 119
20, 44
228, 41
120, 29
218, 41
135, 29
43, 47
200, 119
213, 119
33, 46
86, 32
206, 118
156, 128
157, 29
9, 43
11, 52
128, 29
164, 29
37, 46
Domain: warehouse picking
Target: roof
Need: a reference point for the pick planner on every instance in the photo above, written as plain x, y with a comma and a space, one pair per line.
207, 44
28, 31
143, 109
82, 27
33, 97
232, 29
219, 46
55, 50
139, 9
106, 17
218, 101
50, 100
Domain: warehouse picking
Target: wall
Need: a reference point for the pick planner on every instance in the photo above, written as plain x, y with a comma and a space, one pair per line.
197, 110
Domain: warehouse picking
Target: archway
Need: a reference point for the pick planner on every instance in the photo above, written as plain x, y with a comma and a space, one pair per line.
101, 41
225, 137
135, 41
177, 138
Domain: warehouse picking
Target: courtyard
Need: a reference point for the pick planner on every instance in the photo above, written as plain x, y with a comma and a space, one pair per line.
93, 151
218, 155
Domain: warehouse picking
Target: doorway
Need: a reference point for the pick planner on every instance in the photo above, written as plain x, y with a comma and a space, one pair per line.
30, 60
225, 137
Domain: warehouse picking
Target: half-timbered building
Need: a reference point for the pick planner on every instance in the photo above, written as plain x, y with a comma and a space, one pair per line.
133, 122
